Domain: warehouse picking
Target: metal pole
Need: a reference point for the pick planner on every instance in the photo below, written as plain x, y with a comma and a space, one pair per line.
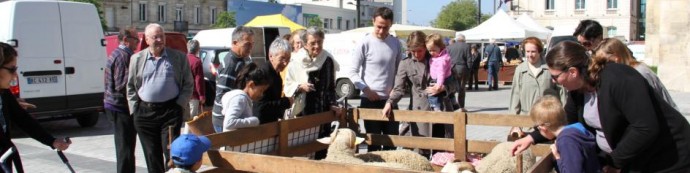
479, 14
358, 14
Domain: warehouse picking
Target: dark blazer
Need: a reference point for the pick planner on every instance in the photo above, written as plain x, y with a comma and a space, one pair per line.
15, 114
271, 106
459, 54
645, 133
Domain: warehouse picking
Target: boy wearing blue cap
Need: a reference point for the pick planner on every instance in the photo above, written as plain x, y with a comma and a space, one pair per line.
186, 152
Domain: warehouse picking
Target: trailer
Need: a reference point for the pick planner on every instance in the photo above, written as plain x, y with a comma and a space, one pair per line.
289, 158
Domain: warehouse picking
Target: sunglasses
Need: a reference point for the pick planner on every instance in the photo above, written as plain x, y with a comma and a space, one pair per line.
10, 69
555, 77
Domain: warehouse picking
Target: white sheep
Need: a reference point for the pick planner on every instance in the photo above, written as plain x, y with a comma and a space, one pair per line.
342, 149
458, 167
499, 160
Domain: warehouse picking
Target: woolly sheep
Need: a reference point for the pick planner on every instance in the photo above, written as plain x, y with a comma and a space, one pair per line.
499, 160
342, 149
458, 167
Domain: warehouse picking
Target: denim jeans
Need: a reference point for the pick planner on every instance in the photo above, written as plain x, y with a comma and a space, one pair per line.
492, 78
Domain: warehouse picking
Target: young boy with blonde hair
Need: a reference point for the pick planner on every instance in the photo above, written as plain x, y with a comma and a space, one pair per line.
575, 147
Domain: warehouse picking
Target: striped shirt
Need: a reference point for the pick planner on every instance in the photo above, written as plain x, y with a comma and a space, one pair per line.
116, 71
225, 81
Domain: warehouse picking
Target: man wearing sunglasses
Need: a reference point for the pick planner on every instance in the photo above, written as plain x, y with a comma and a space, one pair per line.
115, 99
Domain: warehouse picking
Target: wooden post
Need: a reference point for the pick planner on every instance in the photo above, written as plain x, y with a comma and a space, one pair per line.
460, 142
283, 138
519, 162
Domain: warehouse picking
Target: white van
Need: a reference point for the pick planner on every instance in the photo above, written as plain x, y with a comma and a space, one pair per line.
61, 57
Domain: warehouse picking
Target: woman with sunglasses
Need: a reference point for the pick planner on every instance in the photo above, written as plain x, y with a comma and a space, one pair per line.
11, 112
635, 130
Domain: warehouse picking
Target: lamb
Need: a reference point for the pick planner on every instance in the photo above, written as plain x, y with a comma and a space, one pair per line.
342, 149
499, 160
458, 167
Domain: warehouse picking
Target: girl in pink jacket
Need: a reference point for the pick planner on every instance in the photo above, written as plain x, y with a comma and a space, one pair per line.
439, 69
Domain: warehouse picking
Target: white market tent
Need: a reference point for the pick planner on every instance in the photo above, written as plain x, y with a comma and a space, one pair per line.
502, 28
529, 22
402, 31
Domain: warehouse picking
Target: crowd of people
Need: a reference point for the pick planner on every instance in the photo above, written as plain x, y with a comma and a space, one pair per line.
605, 111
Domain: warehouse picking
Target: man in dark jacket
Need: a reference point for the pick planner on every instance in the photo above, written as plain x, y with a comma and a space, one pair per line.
115, 99
459, 55
272, 105
494, 62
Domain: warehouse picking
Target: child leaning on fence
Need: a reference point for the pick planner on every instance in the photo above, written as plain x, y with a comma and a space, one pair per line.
439, 70
575, 147
186, 152
251, 81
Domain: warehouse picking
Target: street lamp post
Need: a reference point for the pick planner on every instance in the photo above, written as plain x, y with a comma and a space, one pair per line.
358, 14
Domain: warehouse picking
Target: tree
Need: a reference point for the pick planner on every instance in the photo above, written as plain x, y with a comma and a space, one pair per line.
99, 9
225, 19
315, 21
458, 15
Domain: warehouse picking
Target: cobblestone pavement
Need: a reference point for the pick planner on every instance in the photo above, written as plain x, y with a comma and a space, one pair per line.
93, 149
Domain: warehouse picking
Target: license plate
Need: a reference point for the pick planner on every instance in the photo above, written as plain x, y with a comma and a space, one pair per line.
42, 80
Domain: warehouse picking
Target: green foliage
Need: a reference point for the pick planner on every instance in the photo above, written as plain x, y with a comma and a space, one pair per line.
225, 20
458, 15
315, 21
654, 69
99, 8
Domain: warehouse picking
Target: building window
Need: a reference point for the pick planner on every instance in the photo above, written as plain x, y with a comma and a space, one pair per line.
213, 15
161, 13
347, 24
142, 12
197, 14
611, 4
331, 23
579, 4
340, 21
325, 23
179, 13
550, 4
612, 31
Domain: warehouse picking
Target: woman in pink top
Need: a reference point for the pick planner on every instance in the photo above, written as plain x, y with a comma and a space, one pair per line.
439, 67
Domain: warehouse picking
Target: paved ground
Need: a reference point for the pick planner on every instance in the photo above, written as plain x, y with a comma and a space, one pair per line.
93, 150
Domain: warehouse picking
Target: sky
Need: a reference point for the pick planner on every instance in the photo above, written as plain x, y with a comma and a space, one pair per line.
422, 12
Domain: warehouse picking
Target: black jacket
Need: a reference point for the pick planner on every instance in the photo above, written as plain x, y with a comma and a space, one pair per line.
15, 114
271, 106
459, 54
645, 133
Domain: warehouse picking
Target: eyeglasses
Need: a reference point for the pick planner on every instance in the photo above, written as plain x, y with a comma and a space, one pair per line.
555, 77
10, 69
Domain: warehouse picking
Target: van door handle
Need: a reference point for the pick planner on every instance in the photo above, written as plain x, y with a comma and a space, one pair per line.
69, 70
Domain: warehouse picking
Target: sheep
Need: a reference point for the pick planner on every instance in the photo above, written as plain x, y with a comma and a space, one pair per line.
458, 167
499, 160
342, 149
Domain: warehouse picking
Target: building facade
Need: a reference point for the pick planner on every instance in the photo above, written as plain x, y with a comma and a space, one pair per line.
622, 19
340, 12
188, 16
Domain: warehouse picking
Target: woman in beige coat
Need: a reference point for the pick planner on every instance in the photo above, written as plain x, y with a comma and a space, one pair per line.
532, 79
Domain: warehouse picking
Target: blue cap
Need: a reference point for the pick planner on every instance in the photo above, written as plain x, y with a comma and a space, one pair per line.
187, 149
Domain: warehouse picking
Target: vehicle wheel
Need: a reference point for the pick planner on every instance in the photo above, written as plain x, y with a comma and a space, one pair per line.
88, 119
345, 88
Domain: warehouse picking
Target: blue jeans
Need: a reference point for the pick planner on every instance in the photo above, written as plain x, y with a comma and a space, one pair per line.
492, 78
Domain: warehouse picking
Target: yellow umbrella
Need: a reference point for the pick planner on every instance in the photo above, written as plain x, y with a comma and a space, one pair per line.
274, 20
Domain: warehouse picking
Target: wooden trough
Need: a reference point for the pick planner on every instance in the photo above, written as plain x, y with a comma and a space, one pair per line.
286, 158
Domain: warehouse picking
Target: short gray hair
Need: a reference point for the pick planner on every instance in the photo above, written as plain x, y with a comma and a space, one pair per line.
313, 31
193, 46
279, 45
241, 31
153, 26
460, 37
